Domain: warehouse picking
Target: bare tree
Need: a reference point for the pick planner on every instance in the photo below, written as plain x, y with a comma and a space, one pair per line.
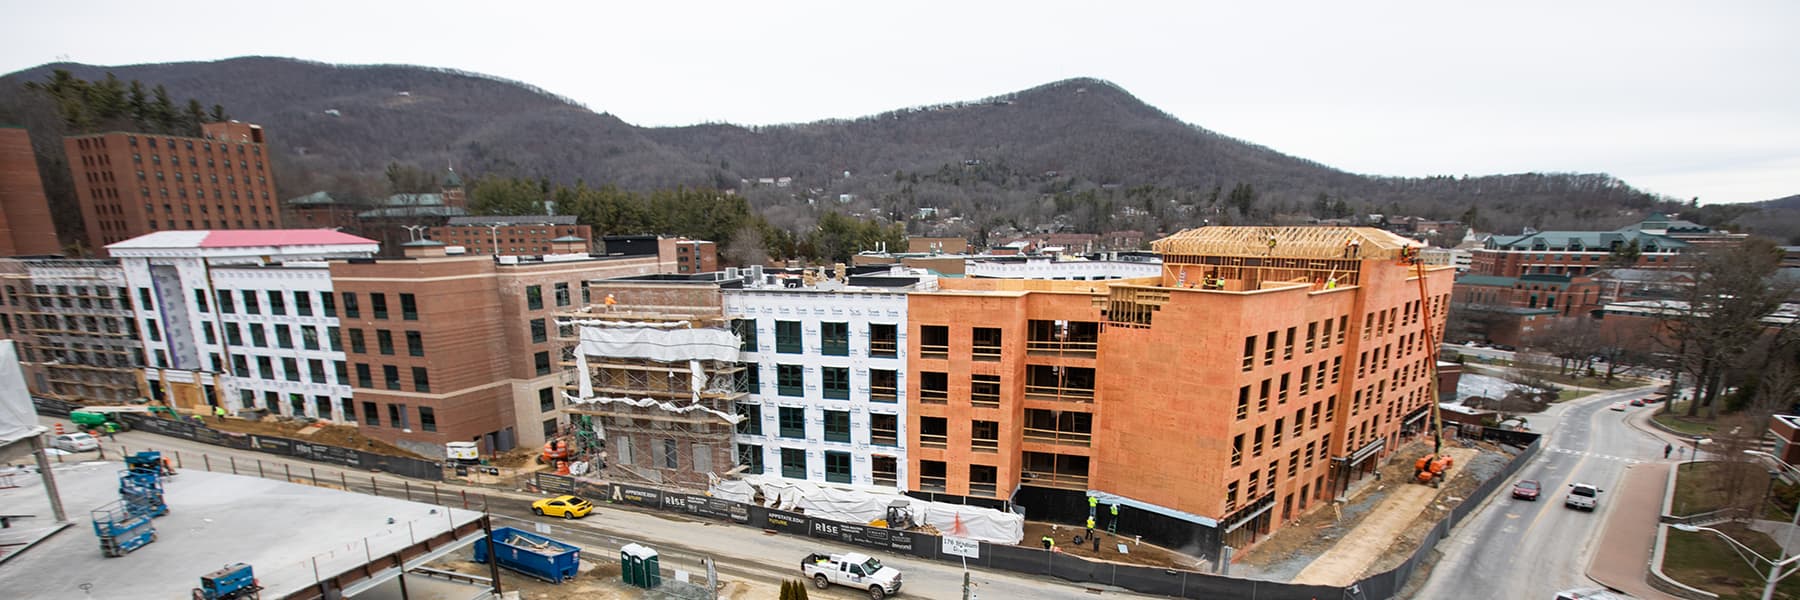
1733, 292
746, 247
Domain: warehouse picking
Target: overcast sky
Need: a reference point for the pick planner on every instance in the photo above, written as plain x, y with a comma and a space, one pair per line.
1679, 98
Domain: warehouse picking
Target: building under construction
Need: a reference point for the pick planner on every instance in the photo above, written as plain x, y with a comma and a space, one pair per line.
73, 320
652, 372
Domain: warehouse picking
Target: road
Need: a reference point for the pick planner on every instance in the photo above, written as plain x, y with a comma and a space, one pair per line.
740, 552
1513, 549
1484, 352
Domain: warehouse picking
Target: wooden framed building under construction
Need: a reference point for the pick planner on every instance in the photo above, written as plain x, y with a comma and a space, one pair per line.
651, 384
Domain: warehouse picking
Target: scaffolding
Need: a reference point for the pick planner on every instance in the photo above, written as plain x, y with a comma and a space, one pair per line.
75, 324
651, 396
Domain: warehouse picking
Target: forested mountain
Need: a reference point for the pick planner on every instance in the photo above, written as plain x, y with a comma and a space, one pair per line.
1083, 153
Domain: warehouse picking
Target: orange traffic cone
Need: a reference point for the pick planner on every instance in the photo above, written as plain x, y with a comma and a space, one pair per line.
59, 429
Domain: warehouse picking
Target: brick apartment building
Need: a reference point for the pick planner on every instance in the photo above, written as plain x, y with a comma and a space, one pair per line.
527, 235
691, 256
25, 224
1217, 411
130, 184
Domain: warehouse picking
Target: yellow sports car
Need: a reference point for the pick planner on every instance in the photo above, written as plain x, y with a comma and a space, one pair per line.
567, 507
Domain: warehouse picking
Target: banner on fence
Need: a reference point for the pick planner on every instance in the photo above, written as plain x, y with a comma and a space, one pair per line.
552, 483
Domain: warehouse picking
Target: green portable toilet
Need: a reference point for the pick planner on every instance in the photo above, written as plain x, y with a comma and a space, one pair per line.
631, 565
652, 569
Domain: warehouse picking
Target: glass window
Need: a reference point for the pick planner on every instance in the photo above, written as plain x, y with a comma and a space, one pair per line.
787, 337
337, 343
290, 368
539, 333
793, 463
357, 344
351, 310
534, 297
258, 338
303, 304
225, 304
746, 331
752, 423
562, 294
837, 382
277, 302
415, 344
309, 337
390, 376
546, 399
378, 304
793, 422
837, 466
790, 380
837, 426
409, 307
328, 303
362, 376
542, 361
200, 300
834, 339
250, 305
421, 379
384, 340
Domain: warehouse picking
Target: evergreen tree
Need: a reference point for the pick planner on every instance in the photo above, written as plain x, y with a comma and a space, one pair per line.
163, 118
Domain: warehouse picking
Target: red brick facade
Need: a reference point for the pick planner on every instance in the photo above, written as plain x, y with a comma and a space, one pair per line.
25, 224
130, 184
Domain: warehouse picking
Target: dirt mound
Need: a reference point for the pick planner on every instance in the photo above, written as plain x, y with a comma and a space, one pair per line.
343, 436
1136, 553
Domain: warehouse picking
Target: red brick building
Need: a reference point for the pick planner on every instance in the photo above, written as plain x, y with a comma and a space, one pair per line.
130, 184
526, 235
25, 224
691, 256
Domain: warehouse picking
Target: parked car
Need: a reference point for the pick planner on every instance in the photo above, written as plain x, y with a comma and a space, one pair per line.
75, 442
567, 507
1582, 496
1504, 347
1618, 406
852, 570
1526, 489
1637, 402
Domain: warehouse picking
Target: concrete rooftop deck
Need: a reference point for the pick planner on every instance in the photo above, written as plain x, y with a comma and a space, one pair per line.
282, 530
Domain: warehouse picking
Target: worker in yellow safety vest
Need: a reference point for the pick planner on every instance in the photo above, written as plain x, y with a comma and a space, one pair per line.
1049, 542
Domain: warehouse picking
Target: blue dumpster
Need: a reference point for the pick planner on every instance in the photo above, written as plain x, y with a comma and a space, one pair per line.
531, 554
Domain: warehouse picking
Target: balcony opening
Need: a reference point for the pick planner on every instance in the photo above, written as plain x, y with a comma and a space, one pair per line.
1047, 382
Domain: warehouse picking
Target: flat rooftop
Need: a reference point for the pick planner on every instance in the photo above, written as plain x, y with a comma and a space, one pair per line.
280, 529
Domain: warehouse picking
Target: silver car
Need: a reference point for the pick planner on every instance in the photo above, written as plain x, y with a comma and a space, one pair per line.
75, 442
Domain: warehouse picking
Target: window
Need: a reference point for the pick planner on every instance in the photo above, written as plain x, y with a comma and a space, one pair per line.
562, 294
539, 332
200, 300
343, 375
357, 344
884, 385
837, 467
984, 391
225, 304
421, 380
427, 419
257, 337
284, 337
205, 327
409, 307
792, 421
1243, 403
350, 308
315, 370
934, 341
793, 463
378, 304
884, 430
1237, 450
1256, 446
787, 337
546, 400
415, 343
1287, 349
290, 368
837, 426
883, 340
250, 304
277, 302
984, 480
837, 382
1249, 352
370, 416
384, 340
790, 380
933, 432
752, 423
329, 303
550, 428
984, 436
986, 343
534, 297
309, 337
671, 455
303, 304
240, 366
390, 376
1312, 336
932, 476
834, 339
746, 331
1269, 349
397, 415
542, 361
934, 387
884, 470
751, 457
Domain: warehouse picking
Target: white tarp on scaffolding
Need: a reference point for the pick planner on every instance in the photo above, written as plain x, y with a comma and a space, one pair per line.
18, 418
655, 342
574, 400
858, 506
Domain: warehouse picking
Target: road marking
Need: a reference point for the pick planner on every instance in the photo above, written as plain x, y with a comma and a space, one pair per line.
1586, 454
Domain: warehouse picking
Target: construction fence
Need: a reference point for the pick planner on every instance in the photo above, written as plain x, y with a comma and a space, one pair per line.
280, 446
1149, 580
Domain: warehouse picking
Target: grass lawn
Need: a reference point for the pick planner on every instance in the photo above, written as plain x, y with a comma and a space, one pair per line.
1565, 395
1704, 560
1684, 425
1708, 486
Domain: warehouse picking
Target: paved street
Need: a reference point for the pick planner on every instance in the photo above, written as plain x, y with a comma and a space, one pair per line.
741, 552
1514, 549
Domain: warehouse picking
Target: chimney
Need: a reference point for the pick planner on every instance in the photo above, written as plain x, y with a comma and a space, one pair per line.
423, 249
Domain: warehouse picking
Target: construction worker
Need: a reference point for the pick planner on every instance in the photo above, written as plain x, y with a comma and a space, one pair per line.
111, 428
219, 413
1112, 525
1049, 542
1090, 526
1093, 507
1271, 244
610, 301
1331, 284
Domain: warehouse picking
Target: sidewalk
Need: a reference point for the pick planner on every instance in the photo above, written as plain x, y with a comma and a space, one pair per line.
1622, 558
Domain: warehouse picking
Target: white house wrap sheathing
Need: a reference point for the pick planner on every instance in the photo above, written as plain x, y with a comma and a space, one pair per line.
857, 506
651, 341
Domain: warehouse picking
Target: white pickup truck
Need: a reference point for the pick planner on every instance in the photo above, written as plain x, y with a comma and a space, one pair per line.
1582, 497
853, 570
